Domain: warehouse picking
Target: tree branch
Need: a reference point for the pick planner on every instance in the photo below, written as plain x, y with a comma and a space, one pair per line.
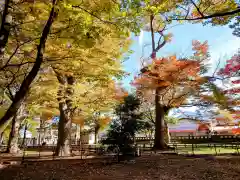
23, 90
195, 5
220, 14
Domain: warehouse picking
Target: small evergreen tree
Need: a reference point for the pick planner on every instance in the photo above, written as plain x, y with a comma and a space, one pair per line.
124, 127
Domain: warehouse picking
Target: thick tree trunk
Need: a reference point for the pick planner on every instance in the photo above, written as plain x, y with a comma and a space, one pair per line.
159, 142
65, 108
21, 93
14, 133
13, 137
5, 28
64, 133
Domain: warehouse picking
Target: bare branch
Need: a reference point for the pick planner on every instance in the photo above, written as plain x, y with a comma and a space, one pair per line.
218, 14
195, 5
218, 64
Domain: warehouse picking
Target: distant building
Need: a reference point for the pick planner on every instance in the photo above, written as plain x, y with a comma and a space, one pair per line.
49, 135
204, 128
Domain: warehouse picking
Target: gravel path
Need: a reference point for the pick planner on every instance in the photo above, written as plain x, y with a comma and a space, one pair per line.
163, 167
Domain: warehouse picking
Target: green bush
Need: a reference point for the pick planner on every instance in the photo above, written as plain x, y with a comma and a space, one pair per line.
123, 128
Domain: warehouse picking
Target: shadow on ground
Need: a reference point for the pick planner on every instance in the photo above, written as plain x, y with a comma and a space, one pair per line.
155, 166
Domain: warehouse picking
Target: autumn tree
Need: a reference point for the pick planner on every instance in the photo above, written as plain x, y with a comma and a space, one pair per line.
100, 93
225, 95
231, 73
95, 58
30, 76
31, 21
39, 103
170, 81
63, 45
101, 101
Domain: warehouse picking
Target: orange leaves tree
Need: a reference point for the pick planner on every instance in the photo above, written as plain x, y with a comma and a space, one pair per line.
95, 102
169, 81
226, 97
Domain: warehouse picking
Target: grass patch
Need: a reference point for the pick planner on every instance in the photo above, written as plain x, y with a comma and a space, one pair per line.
207, 150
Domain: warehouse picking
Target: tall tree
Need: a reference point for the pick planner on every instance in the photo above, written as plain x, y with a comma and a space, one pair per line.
97, 43
170, 81
88, 24
157, 25
21, 93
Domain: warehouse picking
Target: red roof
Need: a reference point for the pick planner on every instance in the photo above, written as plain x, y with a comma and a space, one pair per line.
236, 131
185, 130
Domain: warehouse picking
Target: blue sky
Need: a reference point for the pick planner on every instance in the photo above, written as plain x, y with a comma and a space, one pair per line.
221, 42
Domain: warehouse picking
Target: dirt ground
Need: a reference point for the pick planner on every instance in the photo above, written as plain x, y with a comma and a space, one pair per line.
159, 166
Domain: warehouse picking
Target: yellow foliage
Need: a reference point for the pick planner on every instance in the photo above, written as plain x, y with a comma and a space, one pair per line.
227, 115
78, 120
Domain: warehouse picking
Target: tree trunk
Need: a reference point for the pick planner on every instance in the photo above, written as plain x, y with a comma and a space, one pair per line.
64, 133
5, 28
42, 131
151, 133
65, 108
81, 134
21, 93
78, 134
95, 136
13, 136
24, 136
167, 133
14, 133
159, 143
96, 130
1, 138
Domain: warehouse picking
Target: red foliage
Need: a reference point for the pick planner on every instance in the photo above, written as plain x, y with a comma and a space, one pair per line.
232, 69
120, 93
200, 49
236, 81
233, 91
232, 66
171, 76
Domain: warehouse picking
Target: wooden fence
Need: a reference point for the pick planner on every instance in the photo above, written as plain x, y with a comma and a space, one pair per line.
196, 139
181, 145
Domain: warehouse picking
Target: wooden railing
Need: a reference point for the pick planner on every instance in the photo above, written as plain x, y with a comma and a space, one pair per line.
31, 142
